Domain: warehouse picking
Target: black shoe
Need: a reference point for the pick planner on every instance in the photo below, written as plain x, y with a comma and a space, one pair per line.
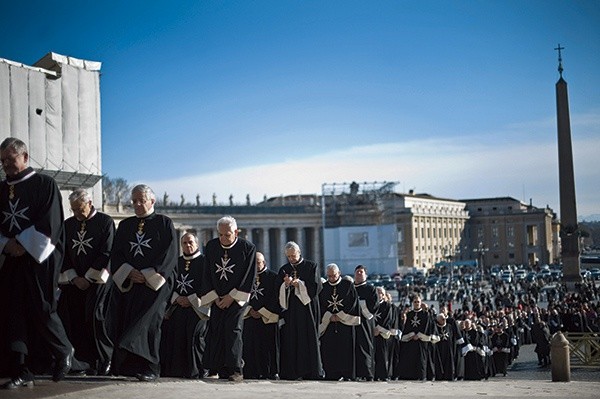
274, 377
18, 382
146, 377
63, 366
103, 368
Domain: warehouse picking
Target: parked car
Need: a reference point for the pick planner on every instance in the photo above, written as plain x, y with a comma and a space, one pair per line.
585, 274
506, 276
595, 274
432, 281
520, 274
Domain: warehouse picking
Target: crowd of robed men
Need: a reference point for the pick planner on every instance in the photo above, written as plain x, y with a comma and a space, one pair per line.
79, 296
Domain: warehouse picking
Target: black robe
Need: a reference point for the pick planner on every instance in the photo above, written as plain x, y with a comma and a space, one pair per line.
365, 347
444, 352
416, 337
184, 328
229, 270
338, 337
500, 344
300, 357
385, 321
475, 356
261, 335
150, 245
32, 208
88, 246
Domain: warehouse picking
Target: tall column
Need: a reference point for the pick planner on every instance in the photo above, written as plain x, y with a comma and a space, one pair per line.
282, 242
300, 238
569, 231
318, 256
266, 249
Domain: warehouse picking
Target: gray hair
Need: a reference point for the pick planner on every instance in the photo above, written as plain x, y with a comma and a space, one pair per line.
14, 143
80, 195
227, 221
292, 245
194, 236
144, 189
333, 266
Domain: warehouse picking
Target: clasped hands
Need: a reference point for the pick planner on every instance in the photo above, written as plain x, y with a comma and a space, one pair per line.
224, 302
294, 282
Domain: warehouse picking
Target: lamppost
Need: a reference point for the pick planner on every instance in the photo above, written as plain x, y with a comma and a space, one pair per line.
451, 252
448, 256
481, 250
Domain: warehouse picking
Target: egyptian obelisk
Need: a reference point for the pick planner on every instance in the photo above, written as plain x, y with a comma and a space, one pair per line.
569, 231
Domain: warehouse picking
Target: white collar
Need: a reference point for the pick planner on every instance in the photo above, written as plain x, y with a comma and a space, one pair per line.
27, 176
230, 246
192, 256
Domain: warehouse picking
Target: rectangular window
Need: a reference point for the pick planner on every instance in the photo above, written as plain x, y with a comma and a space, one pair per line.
360, 239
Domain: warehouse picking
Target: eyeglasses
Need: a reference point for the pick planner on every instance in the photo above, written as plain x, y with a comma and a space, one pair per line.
139, 202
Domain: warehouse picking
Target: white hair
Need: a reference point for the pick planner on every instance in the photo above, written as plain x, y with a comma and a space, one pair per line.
227, 221
80, 195
144, 189
292, 245
334, 267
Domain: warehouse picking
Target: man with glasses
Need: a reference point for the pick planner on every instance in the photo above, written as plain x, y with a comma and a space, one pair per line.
143, 262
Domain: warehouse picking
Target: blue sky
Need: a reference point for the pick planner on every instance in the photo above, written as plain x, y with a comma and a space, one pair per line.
452, 98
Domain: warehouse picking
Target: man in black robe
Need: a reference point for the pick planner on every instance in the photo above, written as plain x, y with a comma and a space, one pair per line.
500, 344
365, 348
443, 349
416, 337
143, 263
261, 330
300, 285
32, 246
339, 317
474, 352
226, 287
85, 281
184, 327
385, 336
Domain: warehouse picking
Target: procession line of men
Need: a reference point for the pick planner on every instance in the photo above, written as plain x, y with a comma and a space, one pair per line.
122, 301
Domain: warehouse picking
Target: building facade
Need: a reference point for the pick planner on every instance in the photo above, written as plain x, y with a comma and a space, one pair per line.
511, 232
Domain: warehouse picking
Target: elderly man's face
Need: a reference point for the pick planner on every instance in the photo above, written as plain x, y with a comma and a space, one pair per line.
333, 275
227, 234
12, 162
188, 244
260, 262
81, 209
141, 203
292, 255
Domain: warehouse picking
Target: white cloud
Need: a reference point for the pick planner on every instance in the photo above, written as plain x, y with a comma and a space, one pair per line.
458, 168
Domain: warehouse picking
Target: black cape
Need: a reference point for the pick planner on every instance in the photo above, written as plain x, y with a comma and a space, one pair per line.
184, 328
300, 356
150, 245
